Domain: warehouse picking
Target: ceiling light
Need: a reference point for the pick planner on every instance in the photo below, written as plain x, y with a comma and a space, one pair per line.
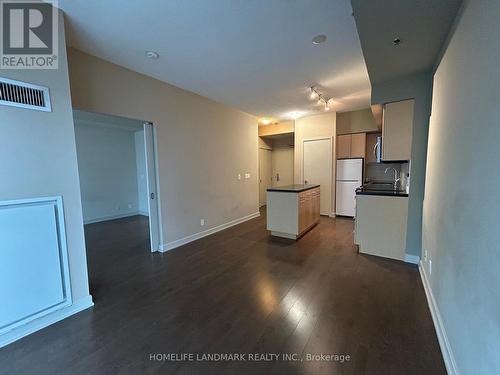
152, 55
318, 39
322, 100
294, 114
265, 121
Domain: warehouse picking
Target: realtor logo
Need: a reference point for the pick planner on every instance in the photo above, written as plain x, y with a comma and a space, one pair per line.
29, 38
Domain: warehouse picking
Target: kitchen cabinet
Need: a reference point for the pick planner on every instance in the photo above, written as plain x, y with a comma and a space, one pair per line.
351, 145
358, 145
292, 210
380, 227
309, 203
343, 146
397, 129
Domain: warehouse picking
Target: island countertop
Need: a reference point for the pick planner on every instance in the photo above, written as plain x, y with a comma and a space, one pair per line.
296, 188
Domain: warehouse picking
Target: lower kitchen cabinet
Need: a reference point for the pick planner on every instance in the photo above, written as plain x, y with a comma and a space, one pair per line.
380, 227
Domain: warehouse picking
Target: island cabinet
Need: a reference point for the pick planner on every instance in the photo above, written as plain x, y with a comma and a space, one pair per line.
292, 210
308, 209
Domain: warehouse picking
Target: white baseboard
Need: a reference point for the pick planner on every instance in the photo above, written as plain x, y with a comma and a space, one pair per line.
172, 245
414, 259
36, 325
112, 217
143, 213
448, 357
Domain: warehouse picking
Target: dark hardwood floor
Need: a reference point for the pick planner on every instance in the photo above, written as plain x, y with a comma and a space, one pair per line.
237, 291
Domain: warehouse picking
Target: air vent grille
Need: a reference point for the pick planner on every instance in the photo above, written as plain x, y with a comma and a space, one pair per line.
24, 95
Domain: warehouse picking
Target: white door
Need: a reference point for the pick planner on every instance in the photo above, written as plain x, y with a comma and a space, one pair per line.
282, 166
154, 220
345, 195
265, 174
317, 166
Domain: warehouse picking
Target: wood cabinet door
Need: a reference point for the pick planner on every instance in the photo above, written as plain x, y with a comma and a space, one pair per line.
397, 128
358, 145
344, 146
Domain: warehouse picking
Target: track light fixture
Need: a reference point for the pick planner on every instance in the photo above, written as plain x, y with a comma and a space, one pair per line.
322, 100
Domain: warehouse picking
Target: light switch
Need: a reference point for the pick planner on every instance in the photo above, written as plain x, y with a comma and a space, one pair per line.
247, 175
239, 176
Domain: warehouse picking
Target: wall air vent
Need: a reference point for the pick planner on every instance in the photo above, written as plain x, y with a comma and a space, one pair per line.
24, 95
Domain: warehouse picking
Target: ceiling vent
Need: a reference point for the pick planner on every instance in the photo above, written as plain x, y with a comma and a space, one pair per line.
24, 95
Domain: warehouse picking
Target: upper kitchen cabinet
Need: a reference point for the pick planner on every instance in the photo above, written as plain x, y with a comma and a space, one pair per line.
358, 145
343, 146
397, 127
351, 145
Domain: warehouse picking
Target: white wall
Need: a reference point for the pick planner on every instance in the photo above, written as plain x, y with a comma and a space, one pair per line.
202, 145
108, 171
38, 158
312, 127
462, 204
142, 186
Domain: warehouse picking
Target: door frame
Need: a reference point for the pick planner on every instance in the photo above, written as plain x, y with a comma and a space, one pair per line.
153, 186
155, 231
270, 150
330, 169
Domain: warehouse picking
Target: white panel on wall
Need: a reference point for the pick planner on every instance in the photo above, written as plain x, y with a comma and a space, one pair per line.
34, 274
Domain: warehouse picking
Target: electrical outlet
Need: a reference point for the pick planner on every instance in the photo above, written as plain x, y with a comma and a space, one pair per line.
129, 205
430, 267
202, 222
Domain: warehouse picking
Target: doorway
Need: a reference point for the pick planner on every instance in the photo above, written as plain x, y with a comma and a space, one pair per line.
317, 167
118, 177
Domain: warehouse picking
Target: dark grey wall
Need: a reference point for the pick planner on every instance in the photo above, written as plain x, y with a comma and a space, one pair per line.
418, 87
460, 227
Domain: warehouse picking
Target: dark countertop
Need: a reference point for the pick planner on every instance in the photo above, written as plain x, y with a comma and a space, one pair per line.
380, 189
297, 188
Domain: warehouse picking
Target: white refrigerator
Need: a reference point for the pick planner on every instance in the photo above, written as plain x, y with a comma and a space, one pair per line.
349, 178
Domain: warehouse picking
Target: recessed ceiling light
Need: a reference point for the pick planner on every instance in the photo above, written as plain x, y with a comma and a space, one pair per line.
294, 114
152, 55
396, 41
318, 39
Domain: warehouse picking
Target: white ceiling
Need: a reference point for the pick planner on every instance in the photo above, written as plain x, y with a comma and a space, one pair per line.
255, 55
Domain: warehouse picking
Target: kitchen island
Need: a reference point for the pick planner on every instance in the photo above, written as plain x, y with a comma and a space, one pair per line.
292, 210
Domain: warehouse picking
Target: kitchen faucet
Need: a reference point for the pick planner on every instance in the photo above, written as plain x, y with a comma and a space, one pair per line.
396, 178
